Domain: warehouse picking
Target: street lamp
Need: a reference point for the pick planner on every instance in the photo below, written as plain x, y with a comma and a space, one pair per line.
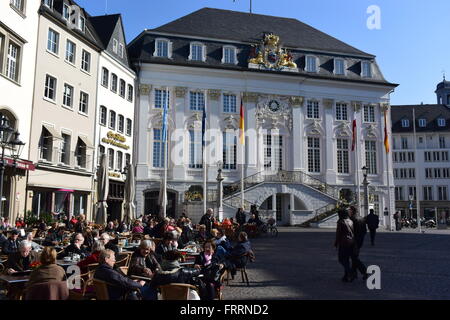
220, 189
366, 190
8, 138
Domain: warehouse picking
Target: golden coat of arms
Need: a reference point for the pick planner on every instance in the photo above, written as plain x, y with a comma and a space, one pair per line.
270, 55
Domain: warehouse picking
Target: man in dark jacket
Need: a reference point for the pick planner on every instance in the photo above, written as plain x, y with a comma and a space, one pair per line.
240, 254
143, 261
360, 230
372, 223
76, 247
20, 260
120, 285
12, 244
240, 216
207, 220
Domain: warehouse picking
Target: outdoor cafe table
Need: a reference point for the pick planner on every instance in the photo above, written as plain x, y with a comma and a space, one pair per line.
65, 264
10, 279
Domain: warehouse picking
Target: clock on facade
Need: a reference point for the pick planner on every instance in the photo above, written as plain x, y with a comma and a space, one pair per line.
274, 105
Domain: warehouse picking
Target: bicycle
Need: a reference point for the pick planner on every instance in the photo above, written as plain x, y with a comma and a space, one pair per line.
269, 228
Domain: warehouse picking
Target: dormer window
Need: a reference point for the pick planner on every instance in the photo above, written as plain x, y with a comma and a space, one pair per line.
197, 52
163, 48
405, 123
82, 23
120, 50
115, 45
441, 122
49, 3
229, 55
66, 12
339, 66
366, 69
422, 123
311, 64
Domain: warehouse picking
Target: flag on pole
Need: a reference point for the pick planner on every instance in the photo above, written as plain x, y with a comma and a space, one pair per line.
242, 125
203, 125
386, 138
354, 135
164, 119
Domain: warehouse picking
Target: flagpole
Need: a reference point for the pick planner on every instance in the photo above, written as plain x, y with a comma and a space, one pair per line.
388, 170
164, 199
242, 133
417, 172
204, 155
358, 183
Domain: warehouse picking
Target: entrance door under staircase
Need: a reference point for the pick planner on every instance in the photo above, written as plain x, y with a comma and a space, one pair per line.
273, 152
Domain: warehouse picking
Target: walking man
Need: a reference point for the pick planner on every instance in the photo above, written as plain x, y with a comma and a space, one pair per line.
345, 243
360, 230
372, 224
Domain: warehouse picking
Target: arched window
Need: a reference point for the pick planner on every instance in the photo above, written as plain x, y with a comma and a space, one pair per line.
8, 118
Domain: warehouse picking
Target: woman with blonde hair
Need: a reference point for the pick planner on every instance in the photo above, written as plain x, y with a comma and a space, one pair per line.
49, 270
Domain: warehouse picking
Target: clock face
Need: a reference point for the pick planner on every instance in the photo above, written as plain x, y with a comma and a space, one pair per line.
274, 105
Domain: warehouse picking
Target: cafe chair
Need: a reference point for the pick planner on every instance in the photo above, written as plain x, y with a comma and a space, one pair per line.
122, 260
87, 290
101, 290
219, 293
243, 270
176, 291
52, 290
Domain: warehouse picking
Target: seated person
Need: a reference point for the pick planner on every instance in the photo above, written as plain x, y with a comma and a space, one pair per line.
150, 229
11, 245
34, 245
76, 247
54, 236
171, 272
49, 270
187, 234
137, 227
208, 263
3, 239
106, 240
254, 220
20, 224
122, 227
21, 260
221, 239
88, 239
239, 255
93, 258
120, 285
81, 224
169, 243
110, 227
201, 235
143, 261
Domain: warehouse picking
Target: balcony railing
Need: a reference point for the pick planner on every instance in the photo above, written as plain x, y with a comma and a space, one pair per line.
60, 158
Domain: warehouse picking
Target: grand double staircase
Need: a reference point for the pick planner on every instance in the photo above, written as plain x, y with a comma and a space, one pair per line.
303, 184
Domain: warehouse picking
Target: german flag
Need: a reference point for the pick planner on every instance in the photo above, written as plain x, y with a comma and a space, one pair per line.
386, 137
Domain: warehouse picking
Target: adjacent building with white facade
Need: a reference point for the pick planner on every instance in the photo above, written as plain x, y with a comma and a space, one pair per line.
64, 110
18, 35
426, 164
301, 90
115, 107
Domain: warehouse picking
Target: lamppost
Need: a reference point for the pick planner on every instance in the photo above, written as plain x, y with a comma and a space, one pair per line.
8, 138
220, 190
366, 191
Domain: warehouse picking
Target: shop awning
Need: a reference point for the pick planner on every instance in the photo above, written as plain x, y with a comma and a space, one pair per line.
86, 142
52, 131
20, 164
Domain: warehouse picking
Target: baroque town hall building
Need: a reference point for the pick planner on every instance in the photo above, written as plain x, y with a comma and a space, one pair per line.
301, 91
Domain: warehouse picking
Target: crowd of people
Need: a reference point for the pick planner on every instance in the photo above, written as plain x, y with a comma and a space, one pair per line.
156, 259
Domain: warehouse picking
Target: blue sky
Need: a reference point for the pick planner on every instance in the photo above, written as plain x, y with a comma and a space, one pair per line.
411, 47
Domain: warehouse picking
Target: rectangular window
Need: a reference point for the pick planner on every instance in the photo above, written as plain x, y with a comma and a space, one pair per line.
442, 142
229, 103
65, 149
412, 173
342, 155
446, 172
428, 173
229, 55
66, 12
404, 143
53, 41
115, 45
394, 157
369, 113
195, 149
84, 102
12, 62
427, 156
50, 88
45, 146
105, 77
70, 51
444, 155
396, 173
268, 151
162, 48
412, 193
411, 157
122, 88
119, 160
403, 173
114, 81
112, 120
229, 150
121, 50
366, 69
130, 93
103, 115
311, 64
161, 98
312, 111
18, 4
399, 194
49, 3
443, 193
427, 193
422, 123
197, 101
86, 61
437, 173
121, 123
111, 159
129, 127
127, 159
341, 111
371, 156
82, 23
158, 149
436, 156
339, 66
197, 52
68, 95
314, 155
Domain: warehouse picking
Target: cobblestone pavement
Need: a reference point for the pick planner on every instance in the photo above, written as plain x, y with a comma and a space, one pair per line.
302, 264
